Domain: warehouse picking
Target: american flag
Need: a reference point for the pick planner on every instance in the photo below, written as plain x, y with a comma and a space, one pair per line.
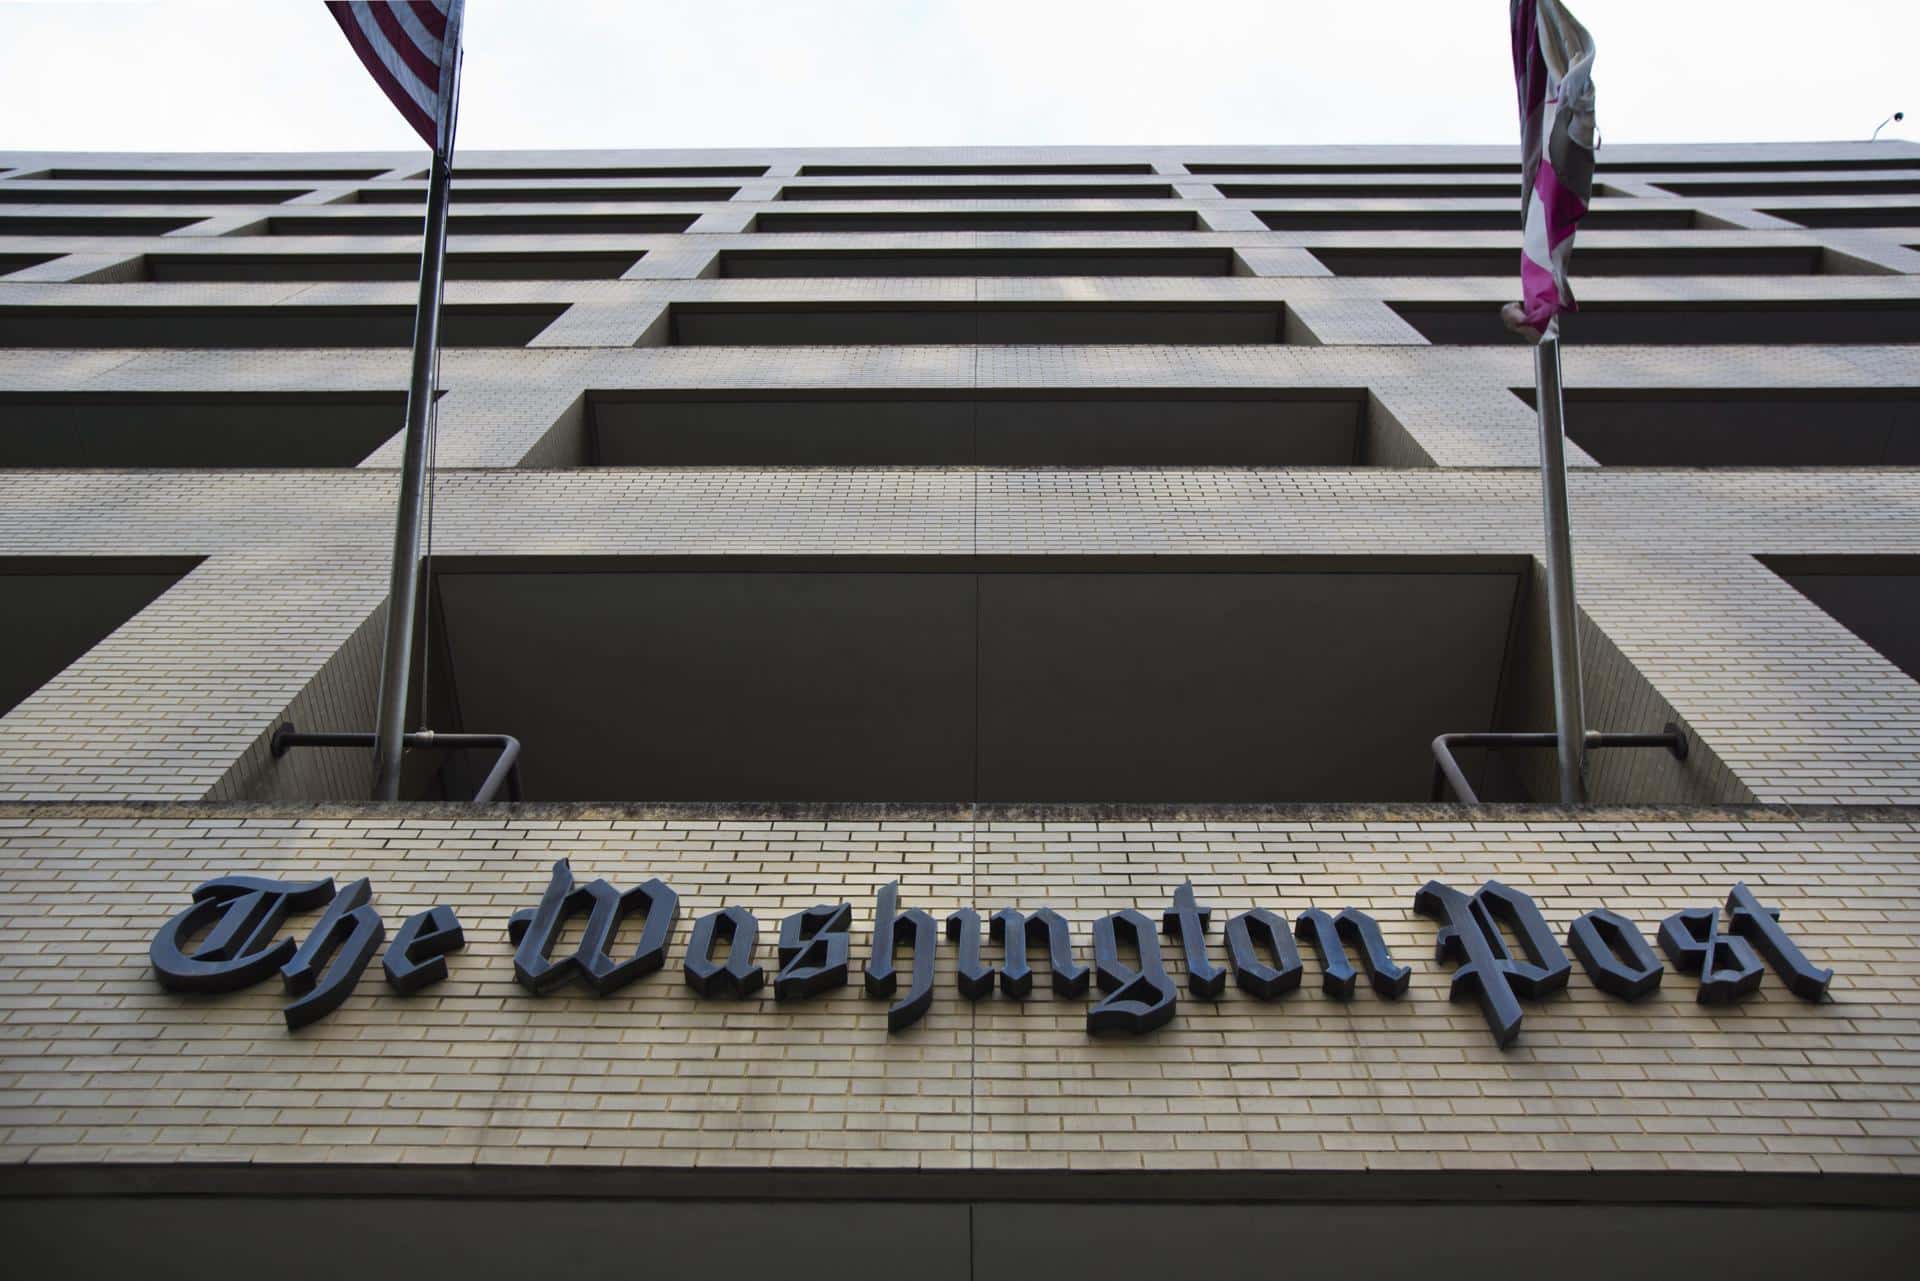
412, 47
1553, 72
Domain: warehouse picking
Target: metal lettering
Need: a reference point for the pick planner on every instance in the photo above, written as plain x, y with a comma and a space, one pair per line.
245, 914
417, 956
1186, 921
1137, 1000
737, 976
1470, 935
891, 927
813, 951
328, 966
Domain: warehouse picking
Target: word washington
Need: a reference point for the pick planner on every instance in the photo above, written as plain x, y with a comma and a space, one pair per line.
229, 939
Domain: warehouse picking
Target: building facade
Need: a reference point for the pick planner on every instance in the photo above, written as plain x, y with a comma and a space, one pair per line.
854, 540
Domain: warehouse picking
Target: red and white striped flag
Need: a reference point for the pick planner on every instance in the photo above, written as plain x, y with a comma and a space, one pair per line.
412, 47
1553, 71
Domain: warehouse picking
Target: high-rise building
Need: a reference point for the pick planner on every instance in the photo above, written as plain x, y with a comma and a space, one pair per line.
854, 539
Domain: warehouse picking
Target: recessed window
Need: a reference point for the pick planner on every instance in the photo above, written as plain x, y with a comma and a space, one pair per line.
1877, 598
195, 429
1762, 321
88, 225
619, 171
1764, 260
931, 679
58, 608
904, 171
1323, 167
15, 194
1364, 190
1851, 187
1141, 427
1852, 216
10, 263
1755, 166
848, 263
595, 224
815, 324
1025, 191
546, 195
1754, 427
1469, 219
213, 175
982, 220
586, 265
463, 325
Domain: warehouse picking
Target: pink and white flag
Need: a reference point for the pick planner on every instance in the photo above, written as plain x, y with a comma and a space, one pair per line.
411, 48
1553, 71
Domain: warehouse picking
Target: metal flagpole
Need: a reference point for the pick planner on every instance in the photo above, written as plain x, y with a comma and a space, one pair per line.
1562, 617
403, 592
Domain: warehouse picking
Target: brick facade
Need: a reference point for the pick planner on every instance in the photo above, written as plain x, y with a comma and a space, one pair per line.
143, 767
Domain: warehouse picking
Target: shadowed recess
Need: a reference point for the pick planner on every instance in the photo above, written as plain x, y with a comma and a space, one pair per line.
195, 429
856, 678
799, 324
1877, 598
983, 220
1683, 323
58, 608
559, 265
545, 195
849, 263
1023, 191
1781, 260
465, 325
1469, 220
1141, 427
1731, 427
594, 224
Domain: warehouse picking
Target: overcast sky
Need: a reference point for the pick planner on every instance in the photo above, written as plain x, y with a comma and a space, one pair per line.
187, 75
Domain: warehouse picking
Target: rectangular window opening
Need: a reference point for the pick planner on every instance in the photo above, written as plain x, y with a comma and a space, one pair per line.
463, 325
812, 324
943, 679
58, 608
1472, 220
1877, 598
13, 194
195, 429
616, 171
595, 224
1505, 167
1829, 165
1364, 191
1782, 260
909, 171
547, 195
1852, 187
1029, 191
213, 175
982, 220
1852, 216
845, 263
89, 225
1759, 322
1750, 427
1137, 427
10, 263
582, 265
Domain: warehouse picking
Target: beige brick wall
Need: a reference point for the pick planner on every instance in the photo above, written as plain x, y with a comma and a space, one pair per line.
99, 1064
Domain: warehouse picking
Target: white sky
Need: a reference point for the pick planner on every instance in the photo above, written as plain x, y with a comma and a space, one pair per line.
192, 75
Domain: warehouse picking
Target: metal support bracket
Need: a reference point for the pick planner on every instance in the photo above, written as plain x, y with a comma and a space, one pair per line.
506, 768
1448, 775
